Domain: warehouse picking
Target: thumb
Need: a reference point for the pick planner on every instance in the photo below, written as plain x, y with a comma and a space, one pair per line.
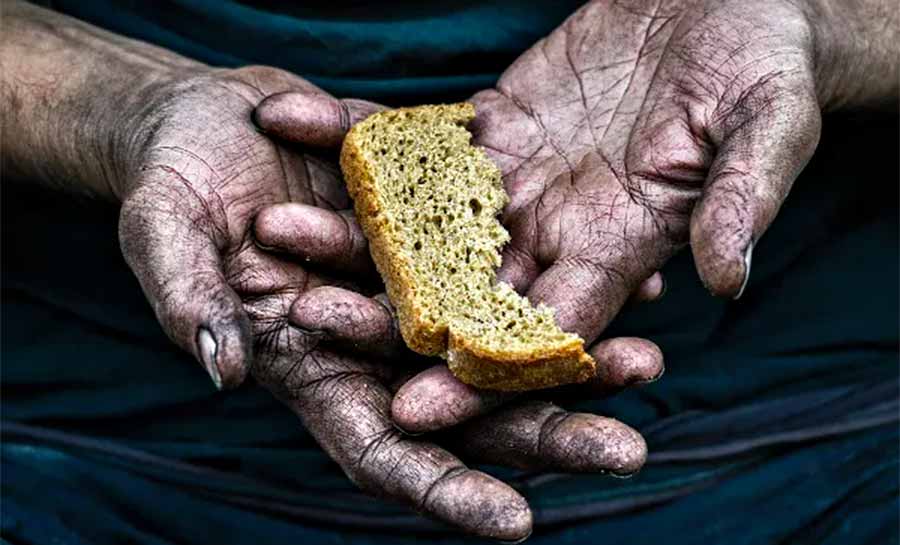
760, 152
314, 119
177, 263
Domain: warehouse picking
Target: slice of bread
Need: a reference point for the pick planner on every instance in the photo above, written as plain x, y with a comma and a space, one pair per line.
428, 202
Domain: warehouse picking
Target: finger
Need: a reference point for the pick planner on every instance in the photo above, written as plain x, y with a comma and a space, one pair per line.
367, 324
518, 267
763, 144
622, 362
311, 119
346, 410
651, 289
177, 263
584, 293
330, 239
435, 399
540, 435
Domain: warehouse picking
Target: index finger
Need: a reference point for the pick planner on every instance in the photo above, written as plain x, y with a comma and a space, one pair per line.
311, 119
346, 408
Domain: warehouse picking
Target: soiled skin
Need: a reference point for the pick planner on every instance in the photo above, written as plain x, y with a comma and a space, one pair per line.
637, 128
214, 216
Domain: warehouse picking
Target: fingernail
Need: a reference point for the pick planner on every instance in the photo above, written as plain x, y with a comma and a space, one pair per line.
520, 540
207, 347
267, 249
652, 379
407, 433
748, 256
255, 120
665, 287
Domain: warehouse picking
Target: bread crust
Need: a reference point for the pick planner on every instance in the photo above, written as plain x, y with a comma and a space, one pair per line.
473, 364
511, 371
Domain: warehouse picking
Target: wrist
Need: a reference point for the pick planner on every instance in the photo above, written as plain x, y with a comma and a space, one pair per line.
856, 44
74, 103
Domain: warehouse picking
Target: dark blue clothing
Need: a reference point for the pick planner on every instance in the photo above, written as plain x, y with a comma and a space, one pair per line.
776, 421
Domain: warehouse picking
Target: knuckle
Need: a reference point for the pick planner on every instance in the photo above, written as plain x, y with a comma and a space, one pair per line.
378, 458
429, 494
552, 418
259, 71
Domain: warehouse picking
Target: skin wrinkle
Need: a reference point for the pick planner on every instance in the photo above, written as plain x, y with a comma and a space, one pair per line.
552, 421
581, 91
368, 457
208, 220
638, 57
331, 195
307, 181
450, 474
253, 274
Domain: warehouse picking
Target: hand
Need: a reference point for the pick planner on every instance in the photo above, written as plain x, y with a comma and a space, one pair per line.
631, 131
634, 129
213, 203
191, 192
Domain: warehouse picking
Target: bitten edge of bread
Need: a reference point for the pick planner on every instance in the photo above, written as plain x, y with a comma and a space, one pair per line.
519, 371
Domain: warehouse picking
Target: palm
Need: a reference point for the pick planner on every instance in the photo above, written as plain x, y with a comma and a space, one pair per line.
607, 130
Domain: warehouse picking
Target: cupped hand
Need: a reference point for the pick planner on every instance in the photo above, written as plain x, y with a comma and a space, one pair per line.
632, 130
197, 174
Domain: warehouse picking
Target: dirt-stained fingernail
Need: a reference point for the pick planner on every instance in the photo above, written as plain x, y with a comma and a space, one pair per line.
254, 119
208, 348
665, 288
520, 540
406, 433
662, 371
748, 257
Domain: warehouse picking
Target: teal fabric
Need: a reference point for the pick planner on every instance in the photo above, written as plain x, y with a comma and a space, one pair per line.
775, 422
392, 51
